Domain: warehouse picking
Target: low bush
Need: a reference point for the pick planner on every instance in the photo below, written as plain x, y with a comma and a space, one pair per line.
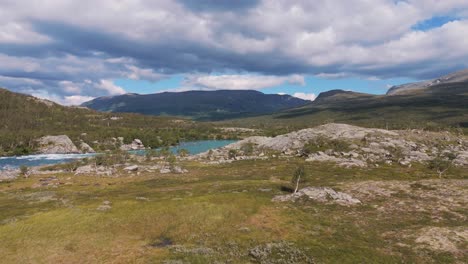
322, 143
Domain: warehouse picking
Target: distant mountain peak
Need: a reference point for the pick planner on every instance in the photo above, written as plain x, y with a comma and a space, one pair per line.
338, 94
332, 93
459, 76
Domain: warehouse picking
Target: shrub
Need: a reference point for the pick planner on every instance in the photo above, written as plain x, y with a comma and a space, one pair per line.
171, 159
396, 154
232, 154
441, 163
72, 166
112, 158
298, 177
322, 143
248, 148
21, 150
150, 154
24, 170
183, 152
165, 152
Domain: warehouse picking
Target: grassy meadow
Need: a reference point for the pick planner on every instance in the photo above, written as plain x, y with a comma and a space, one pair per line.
220, 213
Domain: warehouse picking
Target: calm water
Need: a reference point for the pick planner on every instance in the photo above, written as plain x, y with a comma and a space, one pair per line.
194, 147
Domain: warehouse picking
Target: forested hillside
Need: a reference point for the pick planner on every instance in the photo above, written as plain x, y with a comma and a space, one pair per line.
24, 118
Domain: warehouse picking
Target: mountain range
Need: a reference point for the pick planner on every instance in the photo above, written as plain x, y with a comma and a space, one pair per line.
440, 100
199, 105
434, 104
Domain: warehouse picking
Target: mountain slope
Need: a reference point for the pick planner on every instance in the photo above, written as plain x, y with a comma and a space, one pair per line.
456, 77
201, 105
339, 95
438, 106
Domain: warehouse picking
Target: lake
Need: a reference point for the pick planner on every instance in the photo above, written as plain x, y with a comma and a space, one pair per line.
193, 147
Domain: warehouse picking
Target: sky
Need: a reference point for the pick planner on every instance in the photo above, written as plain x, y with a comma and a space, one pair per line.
72, 51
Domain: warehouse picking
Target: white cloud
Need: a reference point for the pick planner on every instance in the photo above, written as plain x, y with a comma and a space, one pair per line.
67, 100
11, 63
110, 87
333, 75
305, 96
241, 82
20, 33
137, 73
70, 87
76, 99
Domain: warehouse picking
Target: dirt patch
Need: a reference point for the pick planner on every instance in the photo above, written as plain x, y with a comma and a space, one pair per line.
437, 197
453, 240
268, 219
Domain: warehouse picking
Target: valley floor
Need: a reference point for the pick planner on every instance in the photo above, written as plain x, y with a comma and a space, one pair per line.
225, 214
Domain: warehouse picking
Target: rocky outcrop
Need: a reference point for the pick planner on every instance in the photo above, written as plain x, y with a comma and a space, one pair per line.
347, 146
135, 145
342, 160
105, 206
85, 148
9, 174
98, 170
294, 142
237, 129
175, 169
319, 194
461, 159
56, 145
131, 168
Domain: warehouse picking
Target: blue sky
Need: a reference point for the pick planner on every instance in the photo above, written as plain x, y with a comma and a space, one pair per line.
297, 47
434, 22
314, 85
147, 87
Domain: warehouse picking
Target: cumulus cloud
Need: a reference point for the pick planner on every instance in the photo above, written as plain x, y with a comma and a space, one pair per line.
240, 82
305, 96
54, 46
218, 5
66, 100
136, 73
110, 87
15, 32
76, 99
